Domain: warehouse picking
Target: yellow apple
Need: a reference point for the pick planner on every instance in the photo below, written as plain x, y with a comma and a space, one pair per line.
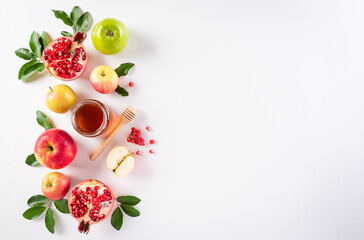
104, 79
60, 98
120, 161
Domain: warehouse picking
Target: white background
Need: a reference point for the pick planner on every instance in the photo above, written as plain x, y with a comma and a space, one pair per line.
257, 107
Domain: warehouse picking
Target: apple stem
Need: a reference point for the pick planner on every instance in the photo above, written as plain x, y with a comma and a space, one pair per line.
51, 89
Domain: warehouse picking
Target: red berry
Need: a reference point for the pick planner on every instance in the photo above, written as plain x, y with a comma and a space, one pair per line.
131, 84
136, 137
151, 151
152, 141
148, 128
139, 153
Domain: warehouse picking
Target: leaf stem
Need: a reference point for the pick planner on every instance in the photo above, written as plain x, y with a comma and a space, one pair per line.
49, 204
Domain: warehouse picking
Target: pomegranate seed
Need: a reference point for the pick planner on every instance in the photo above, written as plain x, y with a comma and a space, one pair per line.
148, 128
139, 153
131, 84
151, 151
152, 141
135, 137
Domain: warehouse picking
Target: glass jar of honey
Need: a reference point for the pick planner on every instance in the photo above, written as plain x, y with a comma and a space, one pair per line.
90, 118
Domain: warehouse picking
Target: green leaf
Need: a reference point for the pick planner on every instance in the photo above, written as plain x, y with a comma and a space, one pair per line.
124, 68
24, 53
131, 200
29, 71
34, 212
82, 22
42, 120
49, 220
117, 219
129, 210
121, 91
32, 161
66, 34
63, 16
43, 41
62, 205
37, 200
75, 14
25, 66
35, 44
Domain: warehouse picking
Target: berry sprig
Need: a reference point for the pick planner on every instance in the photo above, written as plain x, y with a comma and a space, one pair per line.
39, 204
126, 204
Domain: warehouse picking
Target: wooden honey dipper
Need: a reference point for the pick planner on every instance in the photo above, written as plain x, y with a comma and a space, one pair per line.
128, 115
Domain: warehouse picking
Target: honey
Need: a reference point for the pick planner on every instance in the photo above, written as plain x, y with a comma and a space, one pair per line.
90, 118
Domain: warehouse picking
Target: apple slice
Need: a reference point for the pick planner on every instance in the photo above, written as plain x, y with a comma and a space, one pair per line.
120, 161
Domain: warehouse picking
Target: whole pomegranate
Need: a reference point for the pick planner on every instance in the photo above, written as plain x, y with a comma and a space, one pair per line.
90, 202
65, 57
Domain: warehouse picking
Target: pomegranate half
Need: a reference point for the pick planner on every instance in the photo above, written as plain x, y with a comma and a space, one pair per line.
89, 203
65, 57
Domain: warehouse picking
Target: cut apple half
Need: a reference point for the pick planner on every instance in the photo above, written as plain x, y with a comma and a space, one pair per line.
120, 161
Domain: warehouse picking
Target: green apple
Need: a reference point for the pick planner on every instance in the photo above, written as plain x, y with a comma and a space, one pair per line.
110, 36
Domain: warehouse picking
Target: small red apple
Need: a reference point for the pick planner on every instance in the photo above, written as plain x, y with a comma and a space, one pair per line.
55, 148
104, 79
55, 185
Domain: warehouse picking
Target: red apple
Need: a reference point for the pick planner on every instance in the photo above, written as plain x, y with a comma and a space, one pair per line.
104, 79
55, 148
55, 185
